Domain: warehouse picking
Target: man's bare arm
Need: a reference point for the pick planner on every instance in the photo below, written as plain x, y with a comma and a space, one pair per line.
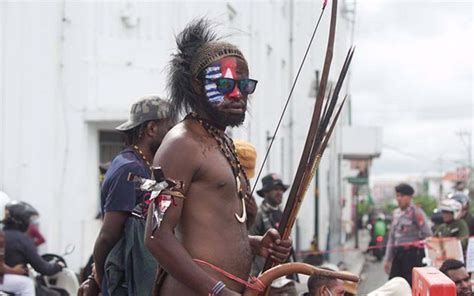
110, 233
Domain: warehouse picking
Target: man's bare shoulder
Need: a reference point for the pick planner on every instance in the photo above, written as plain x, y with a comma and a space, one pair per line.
186, 138
184, 133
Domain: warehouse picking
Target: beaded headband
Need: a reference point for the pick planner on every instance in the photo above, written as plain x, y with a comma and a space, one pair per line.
212, 52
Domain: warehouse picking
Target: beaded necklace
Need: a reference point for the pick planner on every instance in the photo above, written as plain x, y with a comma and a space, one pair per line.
227, 147
142, 155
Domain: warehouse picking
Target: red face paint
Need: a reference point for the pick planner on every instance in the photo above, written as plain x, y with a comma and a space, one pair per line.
229, 70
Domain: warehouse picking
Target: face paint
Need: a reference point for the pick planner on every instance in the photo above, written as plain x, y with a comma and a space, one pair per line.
229, 70
226, 68
213, 72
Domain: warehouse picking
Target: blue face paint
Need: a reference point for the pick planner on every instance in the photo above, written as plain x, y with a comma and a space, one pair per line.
213, 95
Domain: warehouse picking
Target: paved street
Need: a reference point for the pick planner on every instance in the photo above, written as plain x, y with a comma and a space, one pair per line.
373, 275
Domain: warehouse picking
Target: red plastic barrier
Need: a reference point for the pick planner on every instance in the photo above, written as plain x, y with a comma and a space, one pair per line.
430, 281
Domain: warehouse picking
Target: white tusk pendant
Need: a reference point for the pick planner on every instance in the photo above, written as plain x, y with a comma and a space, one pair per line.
242, 218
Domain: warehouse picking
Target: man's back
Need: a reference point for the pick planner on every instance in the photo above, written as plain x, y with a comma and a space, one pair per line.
117, 193
20, 249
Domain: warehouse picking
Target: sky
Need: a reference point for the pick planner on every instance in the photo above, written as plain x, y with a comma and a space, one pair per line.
413, 76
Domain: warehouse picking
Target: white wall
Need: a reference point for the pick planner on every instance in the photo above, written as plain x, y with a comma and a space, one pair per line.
69, 69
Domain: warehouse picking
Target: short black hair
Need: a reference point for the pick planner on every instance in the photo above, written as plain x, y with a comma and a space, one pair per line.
450, 264
316, 281
405, 189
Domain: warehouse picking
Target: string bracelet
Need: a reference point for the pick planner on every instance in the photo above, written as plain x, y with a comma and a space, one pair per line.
218, 287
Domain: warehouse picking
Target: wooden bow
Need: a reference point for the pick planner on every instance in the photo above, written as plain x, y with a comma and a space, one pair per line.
323, 122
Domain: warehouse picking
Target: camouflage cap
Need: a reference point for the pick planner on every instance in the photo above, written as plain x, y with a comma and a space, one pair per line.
146, 108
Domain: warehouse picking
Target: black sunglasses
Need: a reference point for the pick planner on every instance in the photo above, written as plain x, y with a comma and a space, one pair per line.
227, 85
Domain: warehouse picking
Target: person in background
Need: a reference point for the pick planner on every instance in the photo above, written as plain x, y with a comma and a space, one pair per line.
409, 225
269, 216
320, 285
20, 250
120, 242
453, 225
456, 271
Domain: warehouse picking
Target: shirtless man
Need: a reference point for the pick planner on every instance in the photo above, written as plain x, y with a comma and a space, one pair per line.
210, 78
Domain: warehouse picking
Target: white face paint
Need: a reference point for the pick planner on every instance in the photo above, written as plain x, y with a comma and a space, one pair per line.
214, 96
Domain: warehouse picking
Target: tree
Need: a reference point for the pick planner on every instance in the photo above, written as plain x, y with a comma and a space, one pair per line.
427, 203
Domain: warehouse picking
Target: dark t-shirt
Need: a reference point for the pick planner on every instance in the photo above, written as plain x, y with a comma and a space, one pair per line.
20, 249
117, 193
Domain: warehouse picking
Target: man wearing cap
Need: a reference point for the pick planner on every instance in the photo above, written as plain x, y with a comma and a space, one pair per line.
268, 217
148, 123
409, 225
202, 242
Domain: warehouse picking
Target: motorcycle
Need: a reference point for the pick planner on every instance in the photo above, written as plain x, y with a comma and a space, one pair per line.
63, 283
378, 238
379, 250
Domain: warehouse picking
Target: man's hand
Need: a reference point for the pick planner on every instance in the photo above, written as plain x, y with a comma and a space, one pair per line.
89, 288
387, 265
272, 245
19, 269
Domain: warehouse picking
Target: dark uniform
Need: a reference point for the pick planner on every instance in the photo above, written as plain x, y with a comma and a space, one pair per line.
269, 217
407, 226
470, 223
457, 228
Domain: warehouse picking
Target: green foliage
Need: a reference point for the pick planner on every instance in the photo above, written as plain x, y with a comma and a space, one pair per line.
428, 203
364, 207
389, 206
471, 204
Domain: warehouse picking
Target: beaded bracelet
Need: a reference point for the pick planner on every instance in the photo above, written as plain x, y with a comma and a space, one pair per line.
218, 287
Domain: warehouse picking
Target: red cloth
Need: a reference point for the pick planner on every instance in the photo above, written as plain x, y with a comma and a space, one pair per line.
34, 233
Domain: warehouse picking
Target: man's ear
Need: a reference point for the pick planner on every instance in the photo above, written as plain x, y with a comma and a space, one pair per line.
151, 128
324, 291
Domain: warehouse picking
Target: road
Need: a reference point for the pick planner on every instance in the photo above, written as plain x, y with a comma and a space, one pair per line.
372, 276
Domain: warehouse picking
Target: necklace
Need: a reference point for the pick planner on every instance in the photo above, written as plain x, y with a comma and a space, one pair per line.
142, 155
227, 147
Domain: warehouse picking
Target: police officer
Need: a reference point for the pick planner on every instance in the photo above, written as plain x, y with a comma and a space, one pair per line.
409, 224
453, 225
